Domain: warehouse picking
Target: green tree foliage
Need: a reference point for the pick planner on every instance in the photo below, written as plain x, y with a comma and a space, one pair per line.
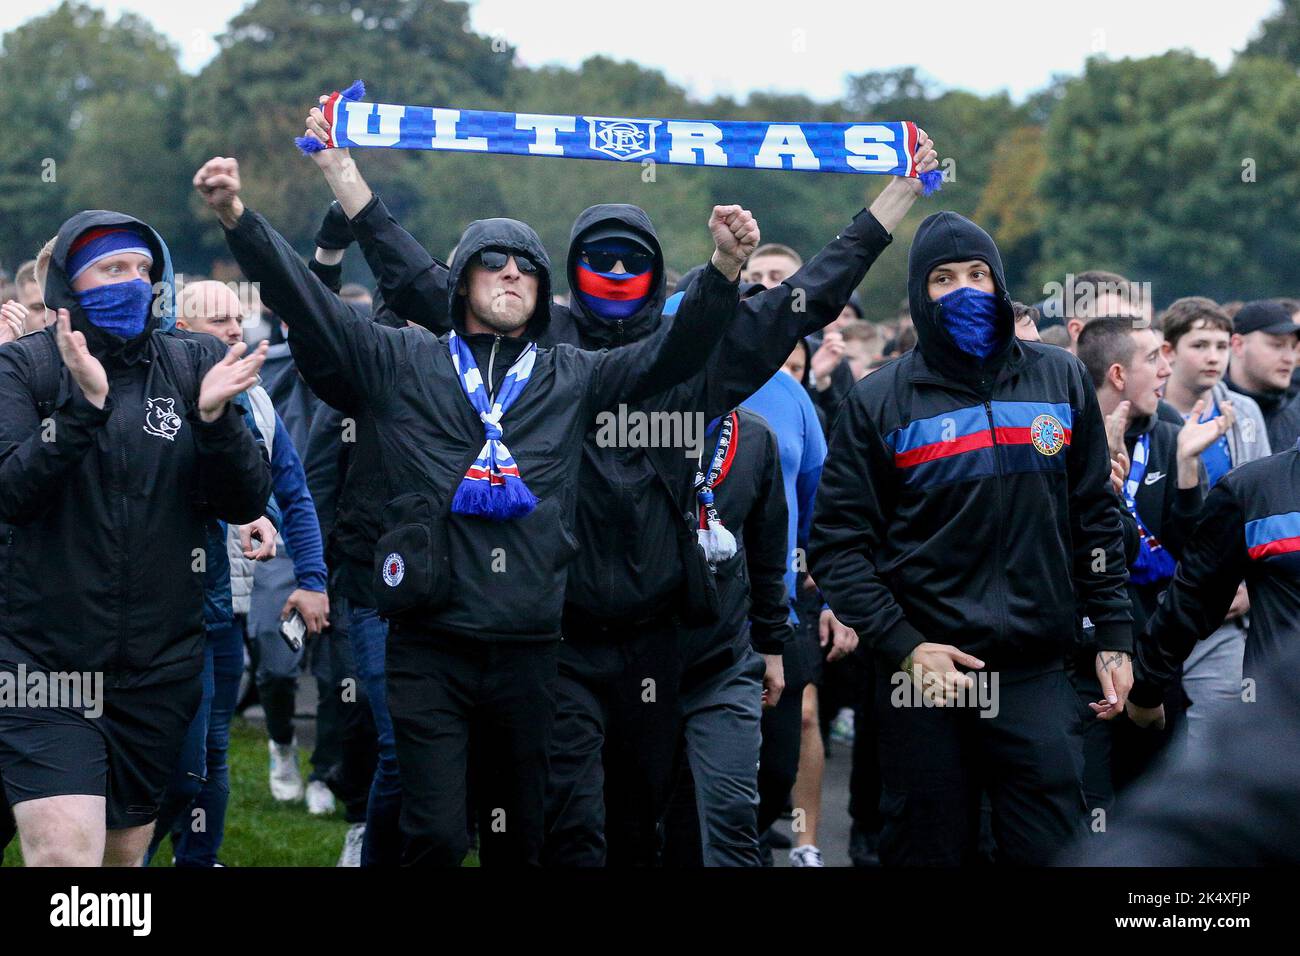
61, 73
1279, 35
278, 56
1162, 168
1169, 172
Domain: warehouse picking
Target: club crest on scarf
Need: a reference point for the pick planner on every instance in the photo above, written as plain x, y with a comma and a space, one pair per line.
492, 487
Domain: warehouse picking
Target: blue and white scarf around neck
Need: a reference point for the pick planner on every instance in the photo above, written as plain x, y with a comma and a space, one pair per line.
492, 487
1153, 563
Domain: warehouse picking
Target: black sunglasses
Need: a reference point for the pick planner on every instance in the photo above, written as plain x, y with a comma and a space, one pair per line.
494, 260
634, 262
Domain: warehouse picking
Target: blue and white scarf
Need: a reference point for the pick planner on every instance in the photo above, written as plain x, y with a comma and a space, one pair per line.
1153, 563
878, 148
492, 488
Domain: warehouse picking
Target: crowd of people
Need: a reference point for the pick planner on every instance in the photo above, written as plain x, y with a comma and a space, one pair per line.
1018, 554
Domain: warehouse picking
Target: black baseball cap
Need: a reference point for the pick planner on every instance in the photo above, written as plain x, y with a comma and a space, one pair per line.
1265, 315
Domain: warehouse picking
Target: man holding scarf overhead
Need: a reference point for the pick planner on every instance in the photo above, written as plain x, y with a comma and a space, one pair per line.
480, 435
639, 576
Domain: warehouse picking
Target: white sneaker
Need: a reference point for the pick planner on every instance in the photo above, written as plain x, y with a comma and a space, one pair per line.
352, 840
807, 855
320, 801
286, 782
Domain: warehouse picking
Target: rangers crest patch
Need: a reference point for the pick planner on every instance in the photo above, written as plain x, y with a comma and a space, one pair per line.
394, 570
1047, 435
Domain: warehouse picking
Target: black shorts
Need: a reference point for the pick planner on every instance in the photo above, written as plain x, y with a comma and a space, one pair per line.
126, 754
807, 640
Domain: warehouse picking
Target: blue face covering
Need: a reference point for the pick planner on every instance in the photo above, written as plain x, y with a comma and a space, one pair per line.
971, 318
121, 308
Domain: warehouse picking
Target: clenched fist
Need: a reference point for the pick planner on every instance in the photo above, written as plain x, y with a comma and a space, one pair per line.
925, 158
218, 183
735, 237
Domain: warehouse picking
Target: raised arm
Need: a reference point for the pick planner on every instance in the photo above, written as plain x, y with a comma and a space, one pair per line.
681, 346
412, 282
337, 351
770, 324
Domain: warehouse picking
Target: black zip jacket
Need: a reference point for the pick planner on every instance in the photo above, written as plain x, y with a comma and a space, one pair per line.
631, 500
107, 517
1167, 511
1249, 529
964, 503
750, 500
428, 433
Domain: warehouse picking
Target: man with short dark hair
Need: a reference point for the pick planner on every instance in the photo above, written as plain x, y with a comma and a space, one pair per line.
1264, 340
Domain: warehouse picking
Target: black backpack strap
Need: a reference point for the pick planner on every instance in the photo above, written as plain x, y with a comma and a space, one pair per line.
178, 363
47, 373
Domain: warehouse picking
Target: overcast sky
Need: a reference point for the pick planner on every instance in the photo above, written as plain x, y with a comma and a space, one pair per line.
797, 46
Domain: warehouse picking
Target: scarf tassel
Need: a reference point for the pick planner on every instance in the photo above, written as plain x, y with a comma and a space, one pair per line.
718, 543
509, 501
310, 144
931, 182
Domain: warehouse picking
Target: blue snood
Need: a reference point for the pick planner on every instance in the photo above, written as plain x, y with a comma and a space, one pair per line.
971, 318
121, 308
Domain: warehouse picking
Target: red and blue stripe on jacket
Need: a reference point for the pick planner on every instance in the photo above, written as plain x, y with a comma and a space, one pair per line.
1276, 539
982, 440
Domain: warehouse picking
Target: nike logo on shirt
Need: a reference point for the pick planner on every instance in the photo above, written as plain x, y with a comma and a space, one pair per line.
1152, 478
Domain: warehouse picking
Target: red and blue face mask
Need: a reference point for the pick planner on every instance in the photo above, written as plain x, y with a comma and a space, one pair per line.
609, 294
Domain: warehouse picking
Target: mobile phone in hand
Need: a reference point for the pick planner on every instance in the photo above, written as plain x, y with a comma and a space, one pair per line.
293, 629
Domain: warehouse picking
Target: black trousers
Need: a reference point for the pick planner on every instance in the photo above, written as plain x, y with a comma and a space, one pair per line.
935, 762
864, 779
456, 703
617, 723
778, 760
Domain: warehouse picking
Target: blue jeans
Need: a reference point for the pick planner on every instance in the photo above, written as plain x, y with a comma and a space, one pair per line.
199, 845
383, 841
191, 767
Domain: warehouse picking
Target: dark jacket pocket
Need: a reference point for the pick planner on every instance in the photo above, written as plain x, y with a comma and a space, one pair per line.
412, 569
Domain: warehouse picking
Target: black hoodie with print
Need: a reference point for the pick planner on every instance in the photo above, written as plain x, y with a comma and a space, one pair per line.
108, 507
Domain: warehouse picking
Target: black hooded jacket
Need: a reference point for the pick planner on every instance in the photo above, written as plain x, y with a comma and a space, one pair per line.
750, 500
428, 433
633, 500
107, 508
964, 503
